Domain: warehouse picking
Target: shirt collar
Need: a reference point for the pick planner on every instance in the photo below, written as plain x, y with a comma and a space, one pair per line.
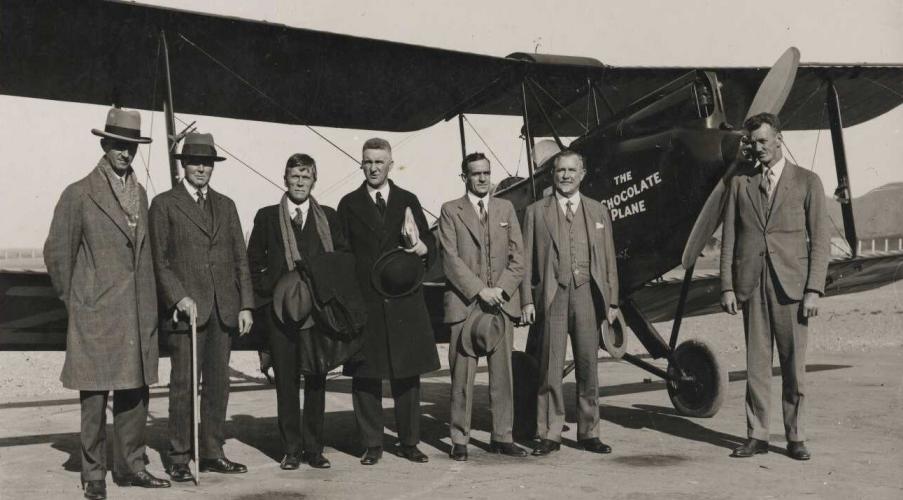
475, 200
292, 206
384, 190
193, 191
563, 200
777, 168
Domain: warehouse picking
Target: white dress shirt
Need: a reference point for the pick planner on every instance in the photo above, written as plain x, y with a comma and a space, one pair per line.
384, 190
563, 202
193, 191
775, 172
475, 200
293, 208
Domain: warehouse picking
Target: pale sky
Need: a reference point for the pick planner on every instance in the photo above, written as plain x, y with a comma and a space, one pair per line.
47, 144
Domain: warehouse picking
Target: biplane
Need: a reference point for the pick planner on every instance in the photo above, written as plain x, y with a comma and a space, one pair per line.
661, 143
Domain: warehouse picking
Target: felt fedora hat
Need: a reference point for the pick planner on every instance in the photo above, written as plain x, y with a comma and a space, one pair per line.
612, 337
122, 125
199, 146
292, 302
397, 273
482, 331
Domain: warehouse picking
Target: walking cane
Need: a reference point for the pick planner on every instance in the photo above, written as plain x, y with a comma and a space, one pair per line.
195, 397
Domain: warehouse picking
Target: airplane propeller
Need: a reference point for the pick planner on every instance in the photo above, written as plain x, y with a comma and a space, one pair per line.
769, 98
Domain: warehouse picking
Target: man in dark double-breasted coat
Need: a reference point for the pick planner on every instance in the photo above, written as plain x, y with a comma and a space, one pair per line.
98, 256
398, 342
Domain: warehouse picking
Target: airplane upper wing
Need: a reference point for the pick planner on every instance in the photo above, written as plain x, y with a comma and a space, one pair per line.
106, 52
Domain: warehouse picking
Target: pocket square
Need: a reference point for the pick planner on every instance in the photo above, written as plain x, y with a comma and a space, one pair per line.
600, 225
503, 224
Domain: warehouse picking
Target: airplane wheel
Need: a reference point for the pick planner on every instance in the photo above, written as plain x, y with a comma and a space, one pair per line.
525, 371
702, 392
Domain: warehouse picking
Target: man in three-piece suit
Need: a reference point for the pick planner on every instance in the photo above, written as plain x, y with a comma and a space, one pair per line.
285, 236
398, 342
482, 256
774, 258
100, 264
571, 287
202, 274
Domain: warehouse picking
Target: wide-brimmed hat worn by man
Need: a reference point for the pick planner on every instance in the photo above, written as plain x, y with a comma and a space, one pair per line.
482, 256
99, 260
202, 273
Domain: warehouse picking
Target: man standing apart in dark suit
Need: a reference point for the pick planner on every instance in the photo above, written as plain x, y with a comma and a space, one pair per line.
774, 258
202, 273
482, 256
398, 342
100, 264
570, 278
297, 348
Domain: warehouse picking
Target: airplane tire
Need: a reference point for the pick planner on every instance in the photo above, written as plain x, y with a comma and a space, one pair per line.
703, 396
525, 371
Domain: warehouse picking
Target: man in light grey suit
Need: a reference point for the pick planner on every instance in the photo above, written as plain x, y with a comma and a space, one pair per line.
570, 273
774, 257
482, 256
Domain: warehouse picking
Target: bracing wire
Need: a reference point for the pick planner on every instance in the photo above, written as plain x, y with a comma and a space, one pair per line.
487, 145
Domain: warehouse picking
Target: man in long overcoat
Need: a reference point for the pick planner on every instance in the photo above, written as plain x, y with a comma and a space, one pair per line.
398, 342
202, 273
297, 225
571, 286
774, 258
99, 259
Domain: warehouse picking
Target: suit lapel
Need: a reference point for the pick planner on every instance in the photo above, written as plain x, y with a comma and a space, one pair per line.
755, 195
783, 187
362, 205
216, 211
550, 213
592, 217
394, 217
494, 219
103, 196
470, 218
190, 208
141, 230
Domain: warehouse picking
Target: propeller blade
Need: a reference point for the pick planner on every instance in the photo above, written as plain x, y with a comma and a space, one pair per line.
770, 98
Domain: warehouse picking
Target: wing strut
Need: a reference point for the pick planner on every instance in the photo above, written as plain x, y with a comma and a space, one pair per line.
171, 139
461, 131
843, 193
528, 139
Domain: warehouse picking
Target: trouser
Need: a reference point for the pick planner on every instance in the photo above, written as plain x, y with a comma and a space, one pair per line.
770, 317
129, 419
367, 393
297, 434
214, 345
572, 312
501, 390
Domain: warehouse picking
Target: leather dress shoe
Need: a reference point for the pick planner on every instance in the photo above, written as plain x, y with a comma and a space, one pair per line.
372, 455
594, 445
412, 454
797, 450
290, 461
510, 449
751, 447
143, 479
545, 447
222, 465
316, 460
95, 490
458, 452
180, 473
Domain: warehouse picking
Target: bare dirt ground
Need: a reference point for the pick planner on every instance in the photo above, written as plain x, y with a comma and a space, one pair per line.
855, 390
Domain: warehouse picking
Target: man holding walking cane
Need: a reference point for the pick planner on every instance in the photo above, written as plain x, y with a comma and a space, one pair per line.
202, 274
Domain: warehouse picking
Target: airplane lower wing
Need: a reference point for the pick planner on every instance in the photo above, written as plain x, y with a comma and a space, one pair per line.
32, 318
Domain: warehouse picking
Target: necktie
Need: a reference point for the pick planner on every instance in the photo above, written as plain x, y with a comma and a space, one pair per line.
769, 182
569, 214
380, 203
202, 201
298, 218
482, 211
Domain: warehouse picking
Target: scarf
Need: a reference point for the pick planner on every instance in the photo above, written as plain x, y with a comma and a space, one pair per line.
127, 194
289, 243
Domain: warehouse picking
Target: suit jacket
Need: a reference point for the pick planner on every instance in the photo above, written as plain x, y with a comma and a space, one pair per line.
398, 339
460, 238
795, 237
542, 232
105, 277
198, 259
266, 252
